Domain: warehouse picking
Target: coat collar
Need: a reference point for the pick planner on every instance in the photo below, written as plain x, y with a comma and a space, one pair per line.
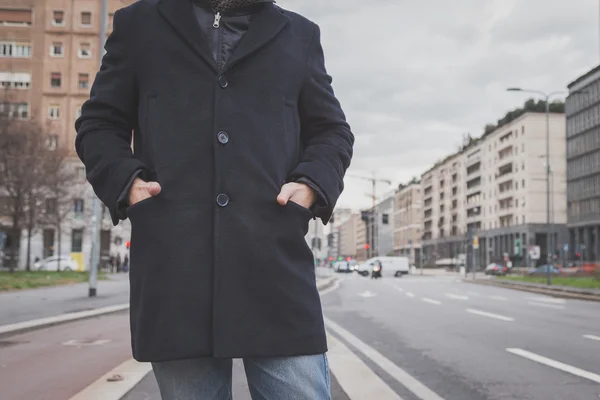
265, 26
180, 14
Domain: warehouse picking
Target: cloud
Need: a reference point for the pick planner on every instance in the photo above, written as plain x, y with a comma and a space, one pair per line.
415, 76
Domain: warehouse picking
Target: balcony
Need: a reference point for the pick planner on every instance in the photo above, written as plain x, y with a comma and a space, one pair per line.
505, 211
472, 161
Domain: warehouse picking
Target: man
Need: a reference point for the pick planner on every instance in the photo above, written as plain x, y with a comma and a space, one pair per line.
238, 141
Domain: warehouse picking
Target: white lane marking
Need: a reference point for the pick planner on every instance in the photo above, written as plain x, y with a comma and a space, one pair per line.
473, 293
489, 315
556, 307
546, 300
132, 371
367, 294
409, 294
81, 343
592, 337
431, 301
405, 379
556, 364
498, 298
38, 323
456, 296
355, 377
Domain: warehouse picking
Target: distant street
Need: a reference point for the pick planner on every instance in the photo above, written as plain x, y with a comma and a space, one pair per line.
464, 341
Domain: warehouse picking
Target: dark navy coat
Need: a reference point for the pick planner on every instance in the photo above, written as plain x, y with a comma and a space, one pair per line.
218, 267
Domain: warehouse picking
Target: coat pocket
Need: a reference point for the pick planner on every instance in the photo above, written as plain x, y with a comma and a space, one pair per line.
300, 209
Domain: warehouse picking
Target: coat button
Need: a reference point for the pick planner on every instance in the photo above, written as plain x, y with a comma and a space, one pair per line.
223, 137
222, 200
223, 81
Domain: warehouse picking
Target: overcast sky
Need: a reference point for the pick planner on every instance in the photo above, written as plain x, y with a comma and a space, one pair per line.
414, 76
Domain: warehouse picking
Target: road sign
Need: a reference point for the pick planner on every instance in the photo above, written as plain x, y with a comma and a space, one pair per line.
475, 242
534, 252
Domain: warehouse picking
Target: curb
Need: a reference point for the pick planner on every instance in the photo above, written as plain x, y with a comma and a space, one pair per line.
561, 293
26, 326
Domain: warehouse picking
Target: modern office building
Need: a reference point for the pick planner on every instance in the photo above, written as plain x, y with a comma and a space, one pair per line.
408, 220
583, 165
348, 236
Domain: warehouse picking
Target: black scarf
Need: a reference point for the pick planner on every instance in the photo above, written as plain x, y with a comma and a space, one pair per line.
228, 5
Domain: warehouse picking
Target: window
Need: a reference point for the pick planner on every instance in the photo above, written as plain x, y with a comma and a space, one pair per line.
522, 147
15, 80
517, 185
523, 130
86, 18
56, 50
76, 240
523, 184
15, 110
52, 142
15, 17
15, 50
85, 50
84, 81
54, 111
55, 79
58, 18
51, 205
78, 206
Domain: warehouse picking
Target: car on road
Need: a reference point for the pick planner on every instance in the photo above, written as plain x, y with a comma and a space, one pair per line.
52, 264
342, 266
496, 269
392, 266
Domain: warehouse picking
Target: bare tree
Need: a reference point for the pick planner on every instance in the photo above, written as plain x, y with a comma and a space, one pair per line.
63, 188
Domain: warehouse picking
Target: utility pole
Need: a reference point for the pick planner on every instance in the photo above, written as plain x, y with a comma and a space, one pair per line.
373, 248
97, 206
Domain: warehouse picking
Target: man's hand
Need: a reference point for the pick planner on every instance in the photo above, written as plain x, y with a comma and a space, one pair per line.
298, 193
141, 190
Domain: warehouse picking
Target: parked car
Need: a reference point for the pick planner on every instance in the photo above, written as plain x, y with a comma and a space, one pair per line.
543, 270
51, 264
496, 269
392, 266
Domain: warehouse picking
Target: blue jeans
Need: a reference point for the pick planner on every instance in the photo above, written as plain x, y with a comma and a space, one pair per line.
289, 378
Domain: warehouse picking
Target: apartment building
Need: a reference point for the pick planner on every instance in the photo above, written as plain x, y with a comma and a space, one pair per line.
340, 216
512, 202
444, 224
495, 188
348, 237
49, 54
362, 239
583, 165
408, 220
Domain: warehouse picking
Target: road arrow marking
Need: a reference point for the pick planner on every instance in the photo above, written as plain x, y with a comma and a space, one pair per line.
556, 364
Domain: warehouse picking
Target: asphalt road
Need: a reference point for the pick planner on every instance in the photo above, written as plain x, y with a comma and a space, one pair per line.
464, 341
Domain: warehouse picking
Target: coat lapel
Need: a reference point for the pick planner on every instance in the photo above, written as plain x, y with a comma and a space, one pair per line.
180, 14
265, 26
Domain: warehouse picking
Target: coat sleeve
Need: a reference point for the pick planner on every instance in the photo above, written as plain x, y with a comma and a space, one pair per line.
108, 118
326, 135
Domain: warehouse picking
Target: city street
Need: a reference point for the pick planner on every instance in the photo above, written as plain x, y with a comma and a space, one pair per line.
412, 338
464, 341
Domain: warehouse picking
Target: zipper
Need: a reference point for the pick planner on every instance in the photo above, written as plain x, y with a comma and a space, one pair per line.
217, 21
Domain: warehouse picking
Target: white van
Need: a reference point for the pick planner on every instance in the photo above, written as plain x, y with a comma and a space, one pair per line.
392, 266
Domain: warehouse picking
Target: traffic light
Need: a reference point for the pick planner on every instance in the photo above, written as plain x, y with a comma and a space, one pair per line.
385, 219
367, 246
332, 219
127, 244
330, 240
330, 258
364, 215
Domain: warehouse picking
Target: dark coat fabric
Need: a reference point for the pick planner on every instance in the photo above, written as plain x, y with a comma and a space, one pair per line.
218, 267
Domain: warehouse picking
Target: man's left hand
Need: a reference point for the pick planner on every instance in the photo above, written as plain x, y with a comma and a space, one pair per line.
299, 193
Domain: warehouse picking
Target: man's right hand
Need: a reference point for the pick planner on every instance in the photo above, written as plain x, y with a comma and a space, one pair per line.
142, 190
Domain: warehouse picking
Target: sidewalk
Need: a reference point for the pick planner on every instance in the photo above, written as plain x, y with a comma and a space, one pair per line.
554, 290
27, 305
